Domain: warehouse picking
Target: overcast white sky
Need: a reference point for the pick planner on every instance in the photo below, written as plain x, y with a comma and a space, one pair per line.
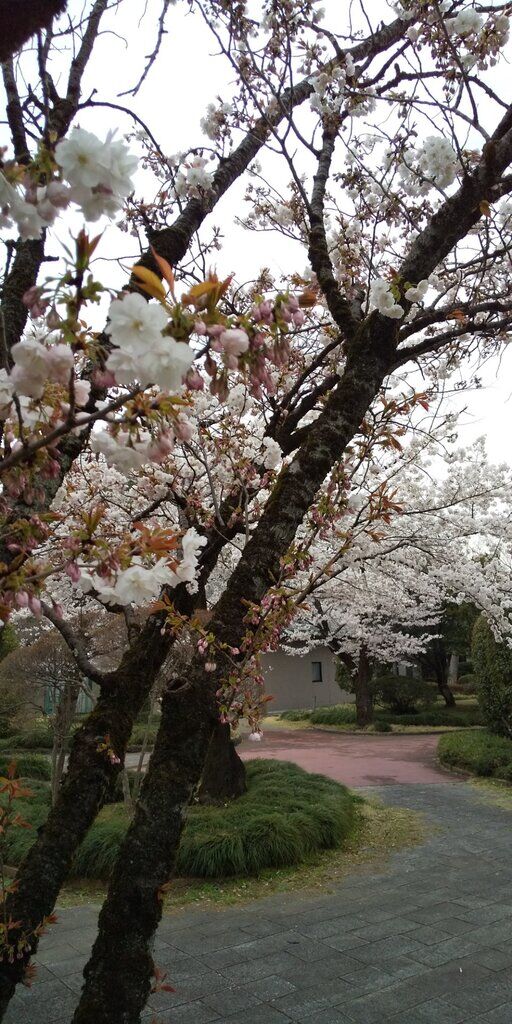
186, 77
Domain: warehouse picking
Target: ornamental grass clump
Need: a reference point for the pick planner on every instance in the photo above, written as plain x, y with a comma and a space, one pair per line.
286, 816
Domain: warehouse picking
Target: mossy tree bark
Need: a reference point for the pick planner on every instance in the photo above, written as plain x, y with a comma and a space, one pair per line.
88, 780
224, 776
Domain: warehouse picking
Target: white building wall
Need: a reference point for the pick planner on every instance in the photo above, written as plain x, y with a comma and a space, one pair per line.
289, 679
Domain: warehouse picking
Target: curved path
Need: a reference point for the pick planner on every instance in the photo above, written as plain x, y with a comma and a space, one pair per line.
425, 938
357, 760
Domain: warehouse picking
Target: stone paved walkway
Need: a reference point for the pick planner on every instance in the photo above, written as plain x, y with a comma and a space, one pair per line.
425, 940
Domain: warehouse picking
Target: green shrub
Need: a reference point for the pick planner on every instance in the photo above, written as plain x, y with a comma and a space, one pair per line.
492, 663
466, 684
286, 815
139, 732
437, 716
295, 716
403, 695
479, 752
339, 714
34, 811
284, 818
379, 726
38, 738
28, 766
345, 715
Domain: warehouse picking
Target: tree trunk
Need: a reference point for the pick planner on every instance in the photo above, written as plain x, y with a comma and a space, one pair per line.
64, 715
118, 974
446, 693
364, 696
224, 776
118, 978
453, 671
87, 782
21, 20
441, 667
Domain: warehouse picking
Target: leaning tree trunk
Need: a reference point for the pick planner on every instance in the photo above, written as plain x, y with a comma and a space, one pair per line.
119, 972
224, 776
364, 696
88, 780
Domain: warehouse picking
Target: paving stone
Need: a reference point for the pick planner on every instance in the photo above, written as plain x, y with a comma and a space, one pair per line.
451, 949
385, 929
495, 959
301, 1004
434, 1011
268, 988
435, 913
486, 915
263, 967
334, 967
483, 996
500, 1015
258, 1015
70, 965
189, 1013
330, 1016
384, 949
231, 1000
429, 935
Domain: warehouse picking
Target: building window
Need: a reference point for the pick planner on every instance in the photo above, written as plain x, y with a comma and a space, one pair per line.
316, 671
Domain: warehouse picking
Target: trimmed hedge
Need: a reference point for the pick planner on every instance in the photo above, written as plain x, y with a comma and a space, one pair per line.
479, 752
38, 738
41, 737
345, 715
285, 817
28, 766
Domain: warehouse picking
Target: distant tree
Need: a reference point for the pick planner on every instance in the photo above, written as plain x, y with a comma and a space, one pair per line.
492, 666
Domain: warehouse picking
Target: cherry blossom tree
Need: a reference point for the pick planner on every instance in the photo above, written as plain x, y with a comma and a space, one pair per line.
396, 187
383, 599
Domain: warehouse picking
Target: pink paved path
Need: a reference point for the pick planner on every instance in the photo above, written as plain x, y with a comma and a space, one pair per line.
354, 760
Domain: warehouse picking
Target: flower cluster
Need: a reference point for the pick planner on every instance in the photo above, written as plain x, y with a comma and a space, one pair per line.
416, 293
34, 364
382, 297
194, 180
214, 123
99, 173
466, 23
98, 176
433, 164
140, 583
329, 88
143, 353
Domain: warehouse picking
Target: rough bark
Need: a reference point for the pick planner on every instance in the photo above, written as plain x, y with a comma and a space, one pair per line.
88, 781
224, 776
364, 697
119, 971
21, 19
